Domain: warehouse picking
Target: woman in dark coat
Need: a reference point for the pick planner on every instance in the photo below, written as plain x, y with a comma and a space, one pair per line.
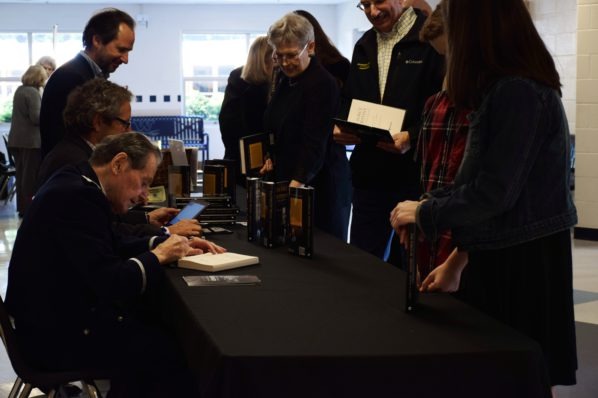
245, 99
299, 117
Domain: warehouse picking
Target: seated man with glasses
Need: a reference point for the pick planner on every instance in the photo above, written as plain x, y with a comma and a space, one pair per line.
390, 66
95, 110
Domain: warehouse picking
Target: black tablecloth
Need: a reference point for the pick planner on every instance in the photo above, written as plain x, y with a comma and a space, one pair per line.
334, 326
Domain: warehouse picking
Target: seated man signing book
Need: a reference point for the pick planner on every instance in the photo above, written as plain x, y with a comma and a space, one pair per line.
80, 294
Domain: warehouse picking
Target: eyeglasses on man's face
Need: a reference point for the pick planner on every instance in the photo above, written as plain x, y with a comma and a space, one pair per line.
125, 123
292, 57
367, 5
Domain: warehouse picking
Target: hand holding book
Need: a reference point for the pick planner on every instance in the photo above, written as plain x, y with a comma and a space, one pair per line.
400, 145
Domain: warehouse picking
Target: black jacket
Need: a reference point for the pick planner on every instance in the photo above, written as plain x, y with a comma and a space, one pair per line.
242, 112
300, 118
70, 75
415, 73
73, 149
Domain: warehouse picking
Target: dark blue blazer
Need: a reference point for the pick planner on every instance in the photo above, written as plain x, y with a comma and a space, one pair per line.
70, 75
70, 274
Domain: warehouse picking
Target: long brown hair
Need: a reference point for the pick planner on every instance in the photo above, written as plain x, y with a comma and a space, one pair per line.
326, 52
489, 39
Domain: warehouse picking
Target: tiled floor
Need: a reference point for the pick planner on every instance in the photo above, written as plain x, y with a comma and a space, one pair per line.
585, 260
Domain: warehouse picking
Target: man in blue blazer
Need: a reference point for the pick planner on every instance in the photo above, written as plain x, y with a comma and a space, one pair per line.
108, 38
79, 293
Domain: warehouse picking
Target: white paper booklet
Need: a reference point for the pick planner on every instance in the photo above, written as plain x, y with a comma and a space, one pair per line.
217, 262
376, 115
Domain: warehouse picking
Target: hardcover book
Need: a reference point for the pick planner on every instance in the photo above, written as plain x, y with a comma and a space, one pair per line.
368, 134
274, 211
217, 262
253, 208
301, 221
230, 175
411, 290
214, 179
253, 150
372, 122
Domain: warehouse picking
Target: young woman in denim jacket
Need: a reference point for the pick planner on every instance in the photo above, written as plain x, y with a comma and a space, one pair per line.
510, 206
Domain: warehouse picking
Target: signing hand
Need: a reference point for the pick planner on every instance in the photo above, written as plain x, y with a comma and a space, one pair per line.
173, 248
176, 247
205, 246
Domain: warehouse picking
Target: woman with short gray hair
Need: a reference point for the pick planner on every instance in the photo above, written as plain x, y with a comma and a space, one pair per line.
299, 117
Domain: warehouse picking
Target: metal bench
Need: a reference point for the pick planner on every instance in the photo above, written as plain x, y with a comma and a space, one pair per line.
189, 129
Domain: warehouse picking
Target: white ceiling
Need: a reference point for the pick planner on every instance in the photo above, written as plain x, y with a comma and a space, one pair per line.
245, 2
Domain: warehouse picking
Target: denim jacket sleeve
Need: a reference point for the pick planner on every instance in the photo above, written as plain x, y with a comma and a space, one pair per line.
503, 145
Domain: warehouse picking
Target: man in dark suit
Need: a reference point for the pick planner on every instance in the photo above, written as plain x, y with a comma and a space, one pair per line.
80, 294
108, 38
94, 110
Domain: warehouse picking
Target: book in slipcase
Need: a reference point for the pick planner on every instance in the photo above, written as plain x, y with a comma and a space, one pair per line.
253, 208
214, 179
230, 176
274, 210
253, 150
301, 221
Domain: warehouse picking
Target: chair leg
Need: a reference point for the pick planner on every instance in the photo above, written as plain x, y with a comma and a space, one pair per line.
5, 188
16, 387
91, 389
26, 391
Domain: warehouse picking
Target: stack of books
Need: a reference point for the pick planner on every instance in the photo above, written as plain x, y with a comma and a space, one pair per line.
220, 211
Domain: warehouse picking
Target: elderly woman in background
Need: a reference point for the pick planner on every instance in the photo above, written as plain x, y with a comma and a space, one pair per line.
299, 117
24, 140
48, 63
246, 98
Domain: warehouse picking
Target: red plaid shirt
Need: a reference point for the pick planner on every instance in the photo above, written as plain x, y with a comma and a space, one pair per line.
441, 146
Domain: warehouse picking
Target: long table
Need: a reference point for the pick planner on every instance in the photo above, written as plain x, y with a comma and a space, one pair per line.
334, 326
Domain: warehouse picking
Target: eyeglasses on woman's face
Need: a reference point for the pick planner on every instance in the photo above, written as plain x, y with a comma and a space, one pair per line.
288, 57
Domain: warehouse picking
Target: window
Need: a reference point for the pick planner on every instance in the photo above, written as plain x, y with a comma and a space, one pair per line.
22, 49
207, 61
